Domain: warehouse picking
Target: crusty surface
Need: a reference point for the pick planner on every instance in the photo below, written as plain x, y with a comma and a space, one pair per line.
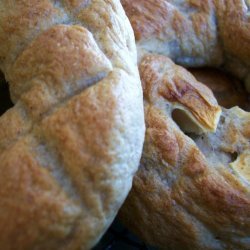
192, 187
192, 191
164, 79
195, 32
70, 145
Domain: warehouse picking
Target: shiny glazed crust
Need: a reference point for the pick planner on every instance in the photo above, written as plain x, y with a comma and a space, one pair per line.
72, 142
192, 190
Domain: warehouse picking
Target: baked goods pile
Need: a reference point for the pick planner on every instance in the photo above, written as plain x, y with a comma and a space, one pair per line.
192, 190
70, 145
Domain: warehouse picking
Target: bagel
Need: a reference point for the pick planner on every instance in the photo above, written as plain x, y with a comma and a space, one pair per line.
72, 142
194, 32
192, 189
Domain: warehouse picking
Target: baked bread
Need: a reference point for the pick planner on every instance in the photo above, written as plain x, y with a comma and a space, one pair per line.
70, 145
195, 32
192, 190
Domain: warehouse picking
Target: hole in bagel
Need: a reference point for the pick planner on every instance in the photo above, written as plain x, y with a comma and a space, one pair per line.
185, 122
234, 156
220, 148
5, 101
240, 166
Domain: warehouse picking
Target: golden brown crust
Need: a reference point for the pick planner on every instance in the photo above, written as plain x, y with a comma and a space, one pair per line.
194, 32
29, 191
65, 147
161, 78
189, 192
153, 17
233, 16
192, 190
71, 54
184, 31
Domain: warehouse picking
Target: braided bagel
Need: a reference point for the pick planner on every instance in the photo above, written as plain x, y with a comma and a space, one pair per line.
70, 145
192, 190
